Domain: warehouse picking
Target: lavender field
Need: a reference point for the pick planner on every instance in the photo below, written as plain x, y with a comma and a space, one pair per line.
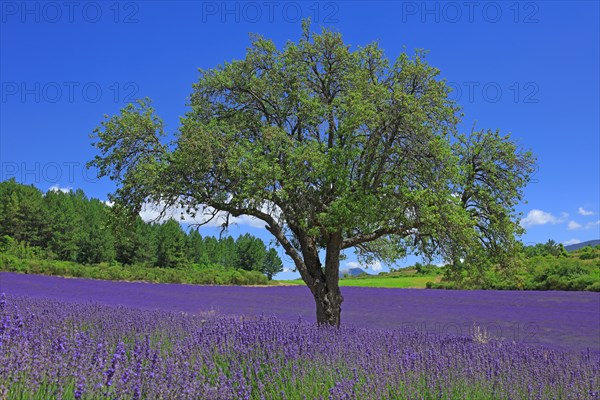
567, 321
75, 338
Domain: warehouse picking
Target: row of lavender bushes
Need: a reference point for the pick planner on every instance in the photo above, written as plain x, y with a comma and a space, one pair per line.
52, 349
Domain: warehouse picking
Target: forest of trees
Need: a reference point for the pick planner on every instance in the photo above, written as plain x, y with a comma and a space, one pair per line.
71, 227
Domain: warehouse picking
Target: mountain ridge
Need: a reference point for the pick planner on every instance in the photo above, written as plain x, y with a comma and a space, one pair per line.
578, 246
352, 272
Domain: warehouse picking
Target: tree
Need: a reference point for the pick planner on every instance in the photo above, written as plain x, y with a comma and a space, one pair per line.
96, 243
332, 149
589, 253
227, 254
555, 249
23, 215
550, 248
134, 242
195, 247
272, 264
64, 224
171, 245
211, 245
250, 253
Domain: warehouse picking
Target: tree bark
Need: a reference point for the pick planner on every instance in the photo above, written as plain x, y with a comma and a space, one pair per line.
323, 283
329, 304
325, 286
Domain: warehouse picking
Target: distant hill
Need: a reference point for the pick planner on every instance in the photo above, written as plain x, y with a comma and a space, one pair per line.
351, 272
578, 246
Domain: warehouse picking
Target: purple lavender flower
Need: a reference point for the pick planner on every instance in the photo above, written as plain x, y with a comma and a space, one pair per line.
89, 350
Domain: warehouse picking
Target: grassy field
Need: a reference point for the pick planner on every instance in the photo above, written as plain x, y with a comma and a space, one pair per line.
403, 282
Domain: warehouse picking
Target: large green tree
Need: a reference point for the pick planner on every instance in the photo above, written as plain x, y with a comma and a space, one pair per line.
333, 148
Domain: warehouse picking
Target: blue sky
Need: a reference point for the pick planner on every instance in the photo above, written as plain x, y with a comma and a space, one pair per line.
527, 68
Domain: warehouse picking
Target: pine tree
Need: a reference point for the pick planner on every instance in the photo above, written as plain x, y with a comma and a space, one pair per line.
195, 247
64, 224
171, 245
272, 264
96, 243
250, 253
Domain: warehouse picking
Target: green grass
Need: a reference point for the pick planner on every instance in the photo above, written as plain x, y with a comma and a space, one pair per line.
401, 282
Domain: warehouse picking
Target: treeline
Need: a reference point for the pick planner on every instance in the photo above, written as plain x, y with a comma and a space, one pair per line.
70, 227
546, 266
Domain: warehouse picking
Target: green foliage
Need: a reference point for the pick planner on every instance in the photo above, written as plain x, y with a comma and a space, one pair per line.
22, 213
272, 264
65, 224
195, 248
426, 269
550, 248
96, 243
171, 245
8, 245
134, 243
566, 274
589, 253
206, 275
539, 267
87, 231
250, 253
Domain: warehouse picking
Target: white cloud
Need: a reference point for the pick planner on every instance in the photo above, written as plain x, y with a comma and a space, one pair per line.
56, 188
591, 225
573, 225
571, 241
109, 203
151, 212
249, 221
539, 217
583, 211
374, 266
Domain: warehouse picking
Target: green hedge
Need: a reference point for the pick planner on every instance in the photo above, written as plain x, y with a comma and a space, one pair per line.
199, 275
575, 272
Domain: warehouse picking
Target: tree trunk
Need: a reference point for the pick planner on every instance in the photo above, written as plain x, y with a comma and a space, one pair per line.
329, 304
325, 286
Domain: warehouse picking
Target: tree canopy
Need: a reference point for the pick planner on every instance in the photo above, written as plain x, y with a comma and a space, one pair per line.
333, 148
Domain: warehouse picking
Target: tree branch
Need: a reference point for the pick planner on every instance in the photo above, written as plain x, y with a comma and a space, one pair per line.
274, 228
369, 237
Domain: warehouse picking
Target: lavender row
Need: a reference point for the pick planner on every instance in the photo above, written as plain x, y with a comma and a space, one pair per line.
54, 349
568, 321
